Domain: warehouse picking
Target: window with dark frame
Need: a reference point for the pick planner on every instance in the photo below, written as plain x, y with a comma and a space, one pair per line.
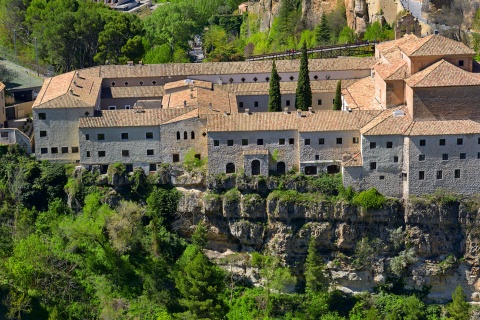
439, 174
54, 150
64, 149
444, 156
148, 135
229, 143
74, 149
124, 135
421, 175
255, 104
42, 116
307, 142
287, 103
125, 153
149, 152
319, 102
152, 167
373, 165
457, 173
259, 142
87, 137
460, 63
216, 143
463, 156
395, 159
101, 136
317, 157
42, 133
373, 145
43, 150
441, 142
244, 142
291, 141
389, 144
423, 142
176, 157
355, 140
101, 154
321, 140
281, 141
421, 157
339, 140
459, 141
240, 104
88, 154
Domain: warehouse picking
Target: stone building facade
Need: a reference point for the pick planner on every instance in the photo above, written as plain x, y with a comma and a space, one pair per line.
408, 123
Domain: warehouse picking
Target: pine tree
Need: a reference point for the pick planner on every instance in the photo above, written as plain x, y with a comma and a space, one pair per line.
274, 95
199, 237
200, 283
303, 95
322, 32
314, 277
337, 103
459, 308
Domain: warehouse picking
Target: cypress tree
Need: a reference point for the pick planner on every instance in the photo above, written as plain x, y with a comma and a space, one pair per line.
315, 280
274, 95
303, 95
337, 103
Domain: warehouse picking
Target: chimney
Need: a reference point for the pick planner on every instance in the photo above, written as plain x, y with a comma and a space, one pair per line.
130, 63
71, 91
299, 113
77, 74
184, 103
140, 62
247, 111
225, 113
285, 110
310, 109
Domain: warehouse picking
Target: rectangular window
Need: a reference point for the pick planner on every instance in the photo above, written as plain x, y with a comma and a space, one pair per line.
152, 167
478, 141
87, 137
321, 141
439, 174
240, 104
127, 107
463, 156
148, 135
5, 134
281, 141
229, 143
355, 140
112, 108
176, 157
441, 142
445, 156
255, 104
54, 150
423, 142
421, 175
43, 150
88, 154
291, 141
459, 141
373, 145
421, 157
389, 144
287, 103
373, 165
460, 63
307, 142
395, 159
129, 167
42, 134
339, 140
382, 177
64, 149
101, 136
216, 143
319, 102
101, 154
259, 142
74, 149
125, 153
317, 157
478, 155
457, 173
124, 135
333, 101
244, 142
149, 152
42, 116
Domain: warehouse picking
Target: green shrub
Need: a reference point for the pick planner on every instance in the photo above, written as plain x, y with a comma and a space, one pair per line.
192, 162
231, 195
116, 168
370, 199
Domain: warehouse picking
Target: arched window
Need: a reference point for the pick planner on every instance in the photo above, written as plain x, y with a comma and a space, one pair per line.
185, 135
281, 167
178, 135
255, 168
230, 168
192, 135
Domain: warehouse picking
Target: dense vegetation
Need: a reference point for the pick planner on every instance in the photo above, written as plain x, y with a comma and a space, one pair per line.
72, 249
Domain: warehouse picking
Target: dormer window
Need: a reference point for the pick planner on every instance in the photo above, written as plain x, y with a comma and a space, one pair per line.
460, 63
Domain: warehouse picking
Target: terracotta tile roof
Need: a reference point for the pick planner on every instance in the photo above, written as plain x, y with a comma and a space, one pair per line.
392, 71
187, 83
133, 91
361, 95
388, 124
261, 88
442, 74
280, 121
208, 68
68, 91
185, 116
149, 104
436, 127
355, 161
132, 118
394, 44
2, 86
435, 45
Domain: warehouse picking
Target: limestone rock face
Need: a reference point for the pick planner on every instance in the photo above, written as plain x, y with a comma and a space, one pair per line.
445, 237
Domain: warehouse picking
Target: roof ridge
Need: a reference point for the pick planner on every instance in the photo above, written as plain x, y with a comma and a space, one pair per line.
430, 37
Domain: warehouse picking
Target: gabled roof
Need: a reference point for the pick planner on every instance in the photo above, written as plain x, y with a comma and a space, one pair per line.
68, 91
442, 74
361, 95
395, 71
133, 91
386, 123
435, 45
447, 127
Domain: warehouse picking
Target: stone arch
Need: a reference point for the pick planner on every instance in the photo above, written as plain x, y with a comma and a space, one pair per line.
255, 167
281, 168
230, 168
